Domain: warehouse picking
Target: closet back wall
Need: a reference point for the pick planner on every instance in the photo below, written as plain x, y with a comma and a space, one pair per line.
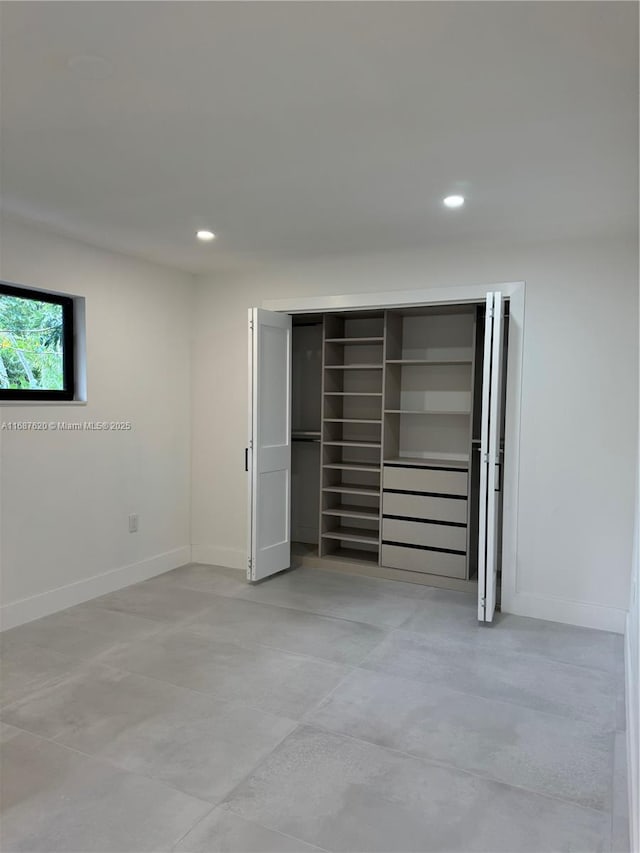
579, 406
66, 496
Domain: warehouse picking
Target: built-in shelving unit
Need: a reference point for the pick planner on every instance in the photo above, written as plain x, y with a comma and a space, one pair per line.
352, 490
395, 436
355, 341
428, 404
353, 368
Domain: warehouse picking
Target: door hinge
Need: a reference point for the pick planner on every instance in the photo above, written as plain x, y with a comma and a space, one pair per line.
485, 457
490, 313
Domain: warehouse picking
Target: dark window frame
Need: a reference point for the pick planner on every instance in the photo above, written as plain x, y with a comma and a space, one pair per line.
66, 394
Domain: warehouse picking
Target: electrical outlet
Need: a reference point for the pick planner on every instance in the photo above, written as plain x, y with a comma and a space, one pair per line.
133, 523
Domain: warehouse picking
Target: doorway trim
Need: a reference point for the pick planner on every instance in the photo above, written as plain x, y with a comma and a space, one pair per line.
515, 292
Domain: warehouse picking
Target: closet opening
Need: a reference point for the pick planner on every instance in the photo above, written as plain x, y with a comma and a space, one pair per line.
390, 463
385, 442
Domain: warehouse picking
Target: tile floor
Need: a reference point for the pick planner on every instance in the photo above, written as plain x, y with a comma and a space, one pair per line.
313, 711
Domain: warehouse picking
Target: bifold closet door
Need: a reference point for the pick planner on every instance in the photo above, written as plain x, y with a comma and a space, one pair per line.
268, 459
491, 463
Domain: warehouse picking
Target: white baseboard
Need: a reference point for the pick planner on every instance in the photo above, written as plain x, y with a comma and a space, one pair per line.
569, 612
632, 694
27, 609
213, 555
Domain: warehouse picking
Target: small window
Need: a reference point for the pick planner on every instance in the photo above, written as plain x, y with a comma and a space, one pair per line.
37, 360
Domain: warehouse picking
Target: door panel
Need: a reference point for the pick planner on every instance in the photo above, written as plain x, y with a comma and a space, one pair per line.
269, 443
491, 462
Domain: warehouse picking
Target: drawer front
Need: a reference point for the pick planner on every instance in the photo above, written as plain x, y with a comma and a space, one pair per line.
425, 507
421, 533
436, 480
419, 560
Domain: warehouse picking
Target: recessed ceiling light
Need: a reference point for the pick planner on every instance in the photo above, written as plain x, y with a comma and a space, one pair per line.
205, 236
454, 200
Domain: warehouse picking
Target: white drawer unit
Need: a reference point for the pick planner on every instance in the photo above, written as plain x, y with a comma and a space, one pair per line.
438, 481
423, 529
447, 536
425, 507
423, 560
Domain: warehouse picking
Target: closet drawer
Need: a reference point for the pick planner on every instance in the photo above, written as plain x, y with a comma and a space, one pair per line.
420, 560
425, 507
437, 480
422, 533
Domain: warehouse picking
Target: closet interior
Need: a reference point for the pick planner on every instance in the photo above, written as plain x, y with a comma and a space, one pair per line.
386, 421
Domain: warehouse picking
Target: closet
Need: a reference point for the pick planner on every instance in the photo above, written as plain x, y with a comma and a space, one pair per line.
381, 452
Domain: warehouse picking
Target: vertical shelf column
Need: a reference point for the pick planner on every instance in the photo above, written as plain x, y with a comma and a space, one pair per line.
428, 405
351, 440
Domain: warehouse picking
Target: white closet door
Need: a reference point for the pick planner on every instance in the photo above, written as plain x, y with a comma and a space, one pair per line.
269, 452
491, 463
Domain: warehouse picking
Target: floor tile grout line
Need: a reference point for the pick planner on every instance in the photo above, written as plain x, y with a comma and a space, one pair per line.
247, 776
361, 665
185, 627
316, 707
94, 658
248, 644
262, 761
238, 597
304, 721
301, 725
106, 762
112, 764
435, 763
390, 583
171, 629
306, 610
527, 654
199, 820
607, 728
45, 683
602, 729
230, 703
519, 654
227, 807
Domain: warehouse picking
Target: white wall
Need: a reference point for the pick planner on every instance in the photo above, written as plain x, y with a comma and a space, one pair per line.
66, 496
632, 672
579, 407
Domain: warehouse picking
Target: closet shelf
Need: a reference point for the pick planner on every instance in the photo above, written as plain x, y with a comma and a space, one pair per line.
353, 393
354, 512
305, 433
348, 489
464, 413
352, 443
353, 366
352, 466
351, 341
352, 534
352, 421
428, 361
